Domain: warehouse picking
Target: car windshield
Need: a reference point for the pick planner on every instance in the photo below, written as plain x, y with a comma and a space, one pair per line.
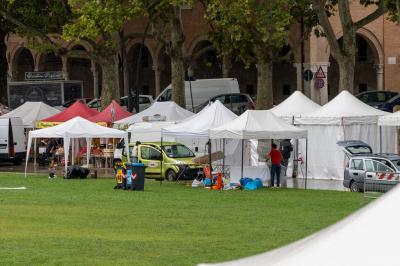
396, 164
394, 99
177, 151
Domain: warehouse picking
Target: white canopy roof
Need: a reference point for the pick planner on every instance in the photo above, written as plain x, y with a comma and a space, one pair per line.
198, 126
30, 112
343, 109
295, 105
170, 110
355, 240
148, 131
77, 127
390, 119
257, 124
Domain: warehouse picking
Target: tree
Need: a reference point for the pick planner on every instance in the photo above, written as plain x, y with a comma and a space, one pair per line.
345, 51
255, 31
48, 24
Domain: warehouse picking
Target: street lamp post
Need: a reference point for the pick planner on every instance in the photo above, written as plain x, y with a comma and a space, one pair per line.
190, 76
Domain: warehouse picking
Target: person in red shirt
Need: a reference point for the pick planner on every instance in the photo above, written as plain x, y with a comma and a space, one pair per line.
276, 158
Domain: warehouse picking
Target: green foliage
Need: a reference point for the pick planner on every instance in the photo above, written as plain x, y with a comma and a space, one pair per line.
87, 222
95, 19
246, 27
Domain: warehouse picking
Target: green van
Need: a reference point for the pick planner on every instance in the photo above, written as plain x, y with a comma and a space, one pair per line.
170, 161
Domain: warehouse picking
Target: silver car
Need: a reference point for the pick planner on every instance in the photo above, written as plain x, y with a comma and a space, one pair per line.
363, 163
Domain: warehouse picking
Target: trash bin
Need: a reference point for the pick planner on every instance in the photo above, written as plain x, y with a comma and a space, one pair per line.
138, 176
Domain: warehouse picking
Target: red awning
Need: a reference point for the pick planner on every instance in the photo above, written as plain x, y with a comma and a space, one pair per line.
77, 109
106, 116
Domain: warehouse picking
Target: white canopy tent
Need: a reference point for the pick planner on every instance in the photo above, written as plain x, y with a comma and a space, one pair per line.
30, 112
343, 118
257, 124
355, 240
148, 131
390, 119
295, 105
77, 127
165, 111
199, 125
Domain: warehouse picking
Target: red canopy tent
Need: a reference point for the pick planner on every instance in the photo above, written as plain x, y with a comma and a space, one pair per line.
76, 109
113, 112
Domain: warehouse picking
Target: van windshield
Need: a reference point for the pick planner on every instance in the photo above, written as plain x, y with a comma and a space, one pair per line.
177, 151
166, 96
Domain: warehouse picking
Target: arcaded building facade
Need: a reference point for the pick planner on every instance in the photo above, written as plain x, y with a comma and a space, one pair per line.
377, 62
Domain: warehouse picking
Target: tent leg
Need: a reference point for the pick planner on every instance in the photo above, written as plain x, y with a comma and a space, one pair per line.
242, 157
34, 154
305, 183
162, 159
223, 158
380, 139
209, 156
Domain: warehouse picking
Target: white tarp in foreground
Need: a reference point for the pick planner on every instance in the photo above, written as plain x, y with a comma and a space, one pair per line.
30, 112
169, 110
295, 105
364, 238
77, 127
343, 118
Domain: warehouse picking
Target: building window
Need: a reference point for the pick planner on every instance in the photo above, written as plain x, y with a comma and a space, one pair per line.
286, 89
145, 89
250, 89
362, 87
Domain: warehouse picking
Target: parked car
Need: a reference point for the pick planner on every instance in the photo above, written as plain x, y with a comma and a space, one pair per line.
236, 102
145, 101
166, 161
375, 98
202, 90
362, 161
388, 106
70, 102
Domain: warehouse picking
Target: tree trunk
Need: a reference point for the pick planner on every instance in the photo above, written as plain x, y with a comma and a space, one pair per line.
226, 65
110, 81
3, 69
177, 61
346, 73
264, 83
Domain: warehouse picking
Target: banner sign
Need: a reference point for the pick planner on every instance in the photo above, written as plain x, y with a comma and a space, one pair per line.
47, 75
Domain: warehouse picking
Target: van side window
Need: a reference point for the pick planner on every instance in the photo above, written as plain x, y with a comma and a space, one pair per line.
357, 164
369, 166
148, 153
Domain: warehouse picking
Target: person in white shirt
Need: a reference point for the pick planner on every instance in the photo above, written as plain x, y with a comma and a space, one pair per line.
135, 152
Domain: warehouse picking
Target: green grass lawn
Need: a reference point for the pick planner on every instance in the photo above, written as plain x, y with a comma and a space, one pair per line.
86, 222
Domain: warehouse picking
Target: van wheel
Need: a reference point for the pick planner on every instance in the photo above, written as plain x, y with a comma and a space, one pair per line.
354, 187
171, 175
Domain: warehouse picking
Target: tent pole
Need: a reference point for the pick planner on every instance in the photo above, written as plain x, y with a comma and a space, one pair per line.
209, 156
305, 184
223, 158
380, 139
34, 154
162, 159
242, 157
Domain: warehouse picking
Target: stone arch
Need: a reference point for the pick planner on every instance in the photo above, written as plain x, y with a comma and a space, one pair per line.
194, 42
22, 61
86, 45
366, 64
49, 62
146, 82
81, 69
207, 65
147, 43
